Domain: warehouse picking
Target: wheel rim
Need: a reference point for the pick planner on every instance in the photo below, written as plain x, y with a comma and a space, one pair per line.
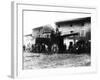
54, 48
38, 48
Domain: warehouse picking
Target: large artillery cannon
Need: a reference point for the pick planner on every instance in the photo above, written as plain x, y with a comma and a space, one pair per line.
54, 42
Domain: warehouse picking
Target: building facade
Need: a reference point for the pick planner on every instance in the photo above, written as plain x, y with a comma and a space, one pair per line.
79, 25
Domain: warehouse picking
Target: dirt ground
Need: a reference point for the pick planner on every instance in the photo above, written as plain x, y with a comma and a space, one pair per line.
35, 60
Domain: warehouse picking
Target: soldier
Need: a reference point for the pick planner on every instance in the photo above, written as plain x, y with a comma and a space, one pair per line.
33, 48
24, 48
70, 47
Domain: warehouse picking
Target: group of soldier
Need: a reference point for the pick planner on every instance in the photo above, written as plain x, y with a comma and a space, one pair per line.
79, 47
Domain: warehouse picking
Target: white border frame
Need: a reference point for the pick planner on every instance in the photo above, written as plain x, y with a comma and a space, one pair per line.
17, 30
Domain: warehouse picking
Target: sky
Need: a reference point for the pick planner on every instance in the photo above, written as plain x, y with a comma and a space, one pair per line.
33, 19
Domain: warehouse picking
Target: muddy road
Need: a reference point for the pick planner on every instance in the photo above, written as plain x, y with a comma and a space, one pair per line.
39, 61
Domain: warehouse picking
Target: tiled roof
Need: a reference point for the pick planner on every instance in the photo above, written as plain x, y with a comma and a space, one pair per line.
74, 21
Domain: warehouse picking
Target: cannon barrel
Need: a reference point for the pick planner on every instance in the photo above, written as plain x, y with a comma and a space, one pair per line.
68, 35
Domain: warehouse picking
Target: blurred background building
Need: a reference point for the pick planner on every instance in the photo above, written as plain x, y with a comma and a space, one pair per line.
80, 25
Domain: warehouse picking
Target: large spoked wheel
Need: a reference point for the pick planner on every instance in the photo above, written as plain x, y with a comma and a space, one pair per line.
54, 48
38, 48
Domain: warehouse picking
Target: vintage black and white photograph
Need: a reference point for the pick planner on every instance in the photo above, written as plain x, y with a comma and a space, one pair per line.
54, 39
